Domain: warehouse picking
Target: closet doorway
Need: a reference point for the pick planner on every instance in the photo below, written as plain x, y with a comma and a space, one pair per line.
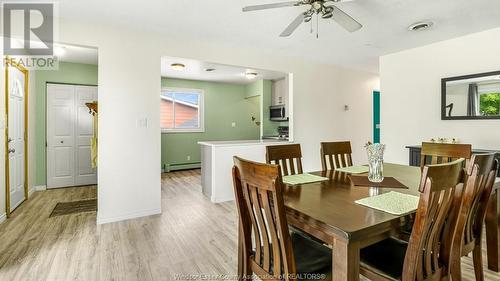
69, 135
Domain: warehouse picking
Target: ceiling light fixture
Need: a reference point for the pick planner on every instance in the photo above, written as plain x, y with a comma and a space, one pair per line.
251, 75
59, 51
421, 26
178, 66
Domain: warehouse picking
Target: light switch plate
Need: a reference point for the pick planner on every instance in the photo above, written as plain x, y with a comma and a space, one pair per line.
142, 123
233, 124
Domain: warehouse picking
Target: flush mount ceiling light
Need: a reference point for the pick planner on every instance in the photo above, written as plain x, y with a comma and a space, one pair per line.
178, 66
59, 51
251, 75
421, 26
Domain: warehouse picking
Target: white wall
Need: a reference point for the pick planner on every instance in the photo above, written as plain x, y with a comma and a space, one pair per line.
411, 93
129, 86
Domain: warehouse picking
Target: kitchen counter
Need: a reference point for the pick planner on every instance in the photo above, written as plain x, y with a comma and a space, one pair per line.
243, 142
217, 164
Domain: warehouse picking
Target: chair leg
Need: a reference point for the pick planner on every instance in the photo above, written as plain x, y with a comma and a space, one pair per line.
478, 262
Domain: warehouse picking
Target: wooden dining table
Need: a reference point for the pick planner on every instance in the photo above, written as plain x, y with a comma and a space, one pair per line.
327, 211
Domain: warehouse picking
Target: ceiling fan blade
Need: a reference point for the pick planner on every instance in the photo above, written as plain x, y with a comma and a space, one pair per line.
271, 6
345, 20
294, 25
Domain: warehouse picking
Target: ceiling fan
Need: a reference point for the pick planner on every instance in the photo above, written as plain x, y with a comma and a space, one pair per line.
323, 8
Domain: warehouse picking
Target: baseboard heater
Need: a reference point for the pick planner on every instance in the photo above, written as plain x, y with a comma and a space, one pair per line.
182, 166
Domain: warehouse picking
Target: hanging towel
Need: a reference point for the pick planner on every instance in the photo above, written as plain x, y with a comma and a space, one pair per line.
93, 144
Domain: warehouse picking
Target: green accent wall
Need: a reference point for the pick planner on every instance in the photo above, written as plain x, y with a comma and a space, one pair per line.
69, 73
224, 104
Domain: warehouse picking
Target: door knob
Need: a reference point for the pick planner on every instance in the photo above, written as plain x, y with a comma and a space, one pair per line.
12, 150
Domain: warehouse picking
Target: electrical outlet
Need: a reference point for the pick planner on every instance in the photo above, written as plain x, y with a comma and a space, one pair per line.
233, 124
189, 157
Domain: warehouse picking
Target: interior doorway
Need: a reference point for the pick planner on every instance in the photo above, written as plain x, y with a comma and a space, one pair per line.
16, 136
376, 116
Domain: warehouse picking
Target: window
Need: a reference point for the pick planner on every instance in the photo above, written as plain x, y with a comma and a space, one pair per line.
181, 110
489, 104
489, 99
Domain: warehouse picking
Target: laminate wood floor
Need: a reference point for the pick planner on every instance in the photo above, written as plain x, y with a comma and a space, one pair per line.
192, 239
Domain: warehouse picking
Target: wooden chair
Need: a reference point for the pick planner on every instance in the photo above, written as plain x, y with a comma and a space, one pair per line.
481, 175
276, 254
427, 255
285, 156
437, 153
336, 154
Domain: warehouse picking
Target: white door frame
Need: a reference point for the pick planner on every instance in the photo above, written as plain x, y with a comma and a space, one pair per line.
47, 127
10, 63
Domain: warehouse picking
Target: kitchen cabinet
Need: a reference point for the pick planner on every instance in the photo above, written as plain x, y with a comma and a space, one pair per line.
279, 94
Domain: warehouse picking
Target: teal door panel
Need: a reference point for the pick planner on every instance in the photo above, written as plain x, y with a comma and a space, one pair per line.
376, 117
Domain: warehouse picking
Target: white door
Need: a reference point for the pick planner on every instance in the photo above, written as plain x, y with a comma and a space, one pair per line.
16, 137
69, 131
85, 174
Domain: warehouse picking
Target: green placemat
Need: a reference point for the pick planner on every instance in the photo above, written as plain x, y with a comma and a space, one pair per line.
302, 179
353, 169
392, 202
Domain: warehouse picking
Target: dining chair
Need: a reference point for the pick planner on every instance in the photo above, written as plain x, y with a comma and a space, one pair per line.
336, 155
427, 255
276, 254
437, 153
477, 194
288, 157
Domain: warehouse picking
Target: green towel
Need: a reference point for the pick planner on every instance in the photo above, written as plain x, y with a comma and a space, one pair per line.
302, 179
354, 169
393, 203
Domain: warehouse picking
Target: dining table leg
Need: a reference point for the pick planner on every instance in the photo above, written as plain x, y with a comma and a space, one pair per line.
345, 260
492, 223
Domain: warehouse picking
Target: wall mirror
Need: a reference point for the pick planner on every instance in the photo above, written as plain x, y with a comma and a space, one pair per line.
471, 97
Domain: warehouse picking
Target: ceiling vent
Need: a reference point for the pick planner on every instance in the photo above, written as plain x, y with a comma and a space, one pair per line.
420, 26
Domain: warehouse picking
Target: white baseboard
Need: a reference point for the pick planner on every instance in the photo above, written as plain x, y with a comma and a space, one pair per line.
3, 217
40, 188
134, 215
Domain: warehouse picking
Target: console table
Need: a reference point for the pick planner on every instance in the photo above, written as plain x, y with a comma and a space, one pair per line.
492, 221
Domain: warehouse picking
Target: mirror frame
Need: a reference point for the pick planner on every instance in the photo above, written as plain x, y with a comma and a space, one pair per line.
443, 97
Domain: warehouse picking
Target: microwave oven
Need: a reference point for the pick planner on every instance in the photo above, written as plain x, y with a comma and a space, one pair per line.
278, 113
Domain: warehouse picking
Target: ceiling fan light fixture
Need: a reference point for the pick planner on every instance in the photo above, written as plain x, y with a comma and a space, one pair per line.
251, 75
178, 66
327, 15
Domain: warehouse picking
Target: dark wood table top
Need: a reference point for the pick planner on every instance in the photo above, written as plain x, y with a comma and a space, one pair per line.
331, 205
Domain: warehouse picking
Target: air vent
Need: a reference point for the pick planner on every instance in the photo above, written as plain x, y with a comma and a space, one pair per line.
421, 26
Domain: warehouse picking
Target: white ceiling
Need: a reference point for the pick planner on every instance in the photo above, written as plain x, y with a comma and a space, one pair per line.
195, 70
78, 54
222, 21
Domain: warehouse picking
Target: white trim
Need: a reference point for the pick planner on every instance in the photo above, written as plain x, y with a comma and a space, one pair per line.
201, 110
3, 217
40, 188
31, 190
129, 216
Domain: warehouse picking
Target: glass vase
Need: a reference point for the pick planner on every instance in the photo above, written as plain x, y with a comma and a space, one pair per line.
376, 162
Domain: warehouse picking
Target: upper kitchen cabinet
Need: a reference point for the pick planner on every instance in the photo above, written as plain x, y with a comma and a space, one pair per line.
280, 92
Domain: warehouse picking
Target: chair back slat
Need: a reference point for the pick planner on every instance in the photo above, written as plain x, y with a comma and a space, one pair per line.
430, 245
336, 154
439, 153
258, 191
285, 156
479, 181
